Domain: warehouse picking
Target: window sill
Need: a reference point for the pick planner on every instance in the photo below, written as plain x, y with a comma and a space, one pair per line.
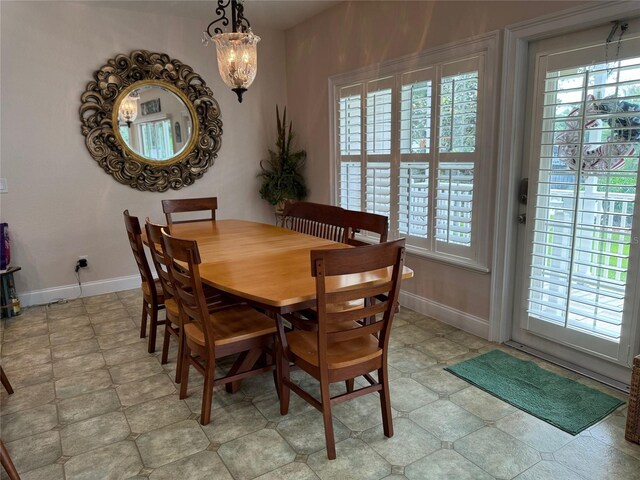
447, 260
438, 257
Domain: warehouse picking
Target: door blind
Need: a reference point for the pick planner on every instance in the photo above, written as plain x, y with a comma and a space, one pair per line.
586, 192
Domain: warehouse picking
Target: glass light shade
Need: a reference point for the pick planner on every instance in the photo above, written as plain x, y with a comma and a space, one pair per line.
237, 58
128, 109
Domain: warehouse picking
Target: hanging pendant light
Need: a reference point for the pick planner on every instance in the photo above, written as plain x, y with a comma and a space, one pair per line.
128, 110
236, 51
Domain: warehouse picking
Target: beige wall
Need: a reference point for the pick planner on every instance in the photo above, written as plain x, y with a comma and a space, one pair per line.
359, 34
60, 203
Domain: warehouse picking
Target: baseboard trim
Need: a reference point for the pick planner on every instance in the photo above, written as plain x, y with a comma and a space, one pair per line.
98, 287
457, 318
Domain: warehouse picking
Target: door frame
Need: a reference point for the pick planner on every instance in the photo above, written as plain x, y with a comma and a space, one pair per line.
510, 145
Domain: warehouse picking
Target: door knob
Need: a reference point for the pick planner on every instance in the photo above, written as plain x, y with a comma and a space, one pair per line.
522, 218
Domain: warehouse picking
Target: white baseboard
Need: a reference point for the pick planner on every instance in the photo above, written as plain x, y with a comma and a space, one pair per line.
457, 318
98, 287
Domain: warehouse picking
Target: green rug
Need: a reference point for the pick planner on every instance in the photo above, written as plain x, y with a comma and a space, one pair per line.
566, 404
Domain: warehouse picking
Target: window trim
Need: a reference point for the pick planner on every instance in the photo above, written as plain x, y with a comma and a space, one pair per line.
488, 45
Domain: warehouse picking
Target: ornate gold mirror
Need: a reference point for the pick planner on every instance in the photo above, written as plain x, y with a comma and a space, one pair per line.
150, 121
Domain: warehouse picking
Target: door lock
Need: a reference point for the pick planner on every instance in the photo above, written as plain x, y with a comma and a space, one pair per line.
522, 218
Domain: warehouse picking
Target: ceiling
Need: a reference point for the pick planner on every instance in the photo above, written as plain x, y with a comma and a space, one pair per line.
276, 14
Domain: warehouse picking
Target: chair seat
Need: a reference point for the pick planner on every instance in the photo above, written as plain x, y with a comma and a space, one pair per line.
147, 291
343, 354
233, 324
171, 306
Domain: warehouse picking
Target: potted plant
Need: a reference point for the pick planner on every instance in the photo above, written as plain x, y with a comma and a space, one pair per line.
281, 174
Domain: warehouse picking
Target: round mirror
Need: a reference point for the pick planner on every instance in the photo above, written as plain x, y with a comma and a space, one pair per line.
150, 121
155, 122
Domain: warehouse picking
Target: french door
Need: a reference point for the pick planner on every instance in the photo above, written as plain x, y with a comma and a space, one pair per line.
579, 254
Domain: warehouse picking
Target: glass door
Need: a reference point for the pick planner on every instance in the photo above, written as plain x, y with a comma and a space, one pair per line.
580, 254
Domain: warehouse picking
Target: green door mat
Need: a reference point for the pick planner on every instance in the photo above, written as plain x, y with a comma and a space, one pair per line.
566, 404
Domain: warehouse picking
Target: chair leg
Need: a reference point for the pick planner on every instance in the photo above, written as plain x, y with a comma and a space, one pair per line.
282, 365
153, 327
385, 402
165, 344
350, 384
184, 375
207, 392
5, 382
143, 320
179, 360
7, 464
328, 421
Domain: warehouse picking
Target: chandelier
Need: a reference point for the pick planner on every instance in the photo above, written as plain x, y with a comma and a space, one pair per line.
236, 51
128, 110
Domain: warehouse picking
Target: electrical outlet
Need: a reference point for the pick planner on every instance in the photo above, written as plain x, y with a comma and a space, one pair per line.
83, 261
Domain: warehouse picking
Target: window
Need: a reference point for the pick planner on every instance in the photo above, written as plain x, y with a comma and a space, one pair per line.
157, 141
415, 145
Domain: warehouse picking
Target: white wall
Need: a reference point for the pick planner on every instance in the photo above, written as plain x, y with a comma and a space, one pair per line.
60, 203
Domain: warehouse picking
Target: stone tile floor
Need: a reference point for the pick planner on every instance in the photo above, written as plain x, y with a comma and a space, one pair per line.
91, 403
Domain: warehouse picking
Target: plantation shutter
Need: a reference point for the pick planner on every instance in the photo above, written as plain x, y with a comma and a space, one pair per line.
378, 146
587, 189
350, 147
408, 145
458, 153
416, 104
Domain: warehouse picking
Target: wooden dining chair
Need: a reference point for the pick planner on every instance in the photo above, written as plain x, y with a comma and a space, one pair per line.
5, 458
211, 335
173, 324
188, 205
365, 222
343, 348
317, 219
152, 295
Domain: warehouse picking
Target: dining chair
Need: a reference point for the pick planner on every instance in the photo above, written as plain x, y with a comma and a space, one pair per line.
173, 324
317, 219
343, 348
5, 382
152, 295
360, 222
212, 335
189, 205
5, 458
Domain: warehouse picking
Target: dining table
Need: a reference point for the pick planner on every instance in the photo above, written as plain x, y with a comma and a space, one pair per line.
266, 265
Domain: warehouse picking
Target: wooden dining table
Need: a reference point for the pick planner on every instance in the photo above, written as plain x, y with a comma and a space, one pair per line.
266, 265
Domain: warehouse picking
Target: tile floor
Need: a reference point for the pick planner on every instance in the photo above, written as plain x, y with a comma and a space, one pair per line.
91, 403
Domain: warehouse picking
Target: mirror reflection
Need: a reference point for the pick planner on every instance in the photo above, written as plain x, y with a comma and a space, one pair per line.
154, 122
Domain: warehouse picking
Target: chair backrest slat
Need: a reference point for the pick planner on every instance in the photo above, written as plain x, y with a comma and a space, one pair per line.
342, 296
188, 205
346, 335
335, 318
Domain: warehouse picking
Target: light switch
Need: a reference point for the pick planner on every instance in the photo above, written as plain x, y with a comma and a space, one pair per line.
3, 186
